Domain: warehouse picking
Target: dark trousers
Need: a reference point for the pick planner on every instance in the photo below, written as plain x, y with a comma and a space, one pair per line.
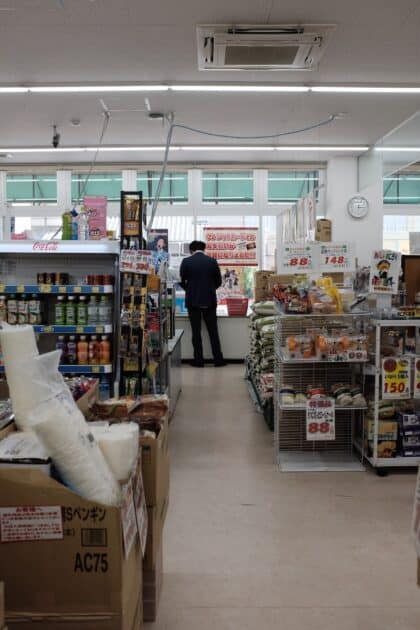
210, 318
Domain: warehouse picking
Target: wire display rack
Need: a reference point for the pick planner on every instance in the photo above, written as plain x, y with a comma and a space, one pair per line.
293, 452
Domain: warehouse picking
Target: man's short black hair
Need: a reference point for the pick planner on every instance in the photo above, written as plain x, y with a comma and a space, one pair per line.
197, 246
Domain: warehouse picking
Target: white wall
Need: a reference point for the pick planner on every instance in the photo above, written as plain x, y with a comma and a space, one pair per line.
342, 180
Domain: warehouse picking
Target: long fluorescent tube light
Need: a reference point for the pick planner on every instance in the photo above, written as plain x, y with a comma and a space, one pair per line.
365, 89
239, 88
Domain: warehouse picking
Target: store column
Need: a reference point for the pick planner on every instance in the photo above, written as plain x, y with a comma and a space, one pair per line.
347, 177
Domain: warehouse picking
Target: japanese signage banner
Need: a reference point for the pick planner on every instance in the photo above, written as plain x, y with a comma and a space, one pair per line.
336, 257
320, 419
396, 377
232, 246
384, 271
297, 258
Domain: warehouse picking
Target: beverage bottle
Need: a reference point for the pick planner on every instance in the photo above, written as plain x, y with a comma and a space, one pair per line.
72, 350
104, 350
3, 308
66, 233
34, 310
82, 316
61, 345
83, 225
74, 225
12, 310
82, 351
23, 310
71, 311
60, 311
93, 350
92, 311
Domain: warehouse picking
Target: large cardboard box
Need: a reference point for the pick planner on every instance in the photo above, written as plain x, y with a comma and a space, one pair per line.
152, 587
68, 563
156, 466
156, 517
323, 230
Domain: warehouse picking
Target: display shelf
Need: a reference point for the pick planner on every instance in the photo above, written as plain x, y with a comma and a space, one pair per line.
79, 369
73, 330
57, 289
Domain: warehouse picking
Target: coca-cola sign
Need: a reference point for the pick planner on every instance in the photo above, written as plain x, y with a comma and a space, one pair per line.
45, 246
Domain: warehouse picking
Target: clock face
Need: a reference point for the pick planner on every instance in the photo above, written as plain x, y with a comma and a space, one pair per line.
358, 207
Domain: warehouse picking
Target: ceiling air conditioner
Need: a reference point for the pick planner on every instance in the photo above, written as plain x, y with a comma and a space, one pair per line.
247, 47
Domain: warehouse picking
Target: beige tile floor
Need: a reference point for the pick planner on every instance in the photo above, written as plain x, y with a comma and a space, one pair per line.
247, 547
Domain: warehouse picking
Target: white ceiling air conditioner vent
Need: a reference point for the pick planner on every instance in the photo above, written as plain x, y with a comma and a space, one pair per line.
247, 47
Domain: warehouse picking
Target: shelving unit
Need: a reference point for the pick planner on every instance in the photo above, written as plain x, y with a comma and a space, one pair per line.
374, 370
293, 451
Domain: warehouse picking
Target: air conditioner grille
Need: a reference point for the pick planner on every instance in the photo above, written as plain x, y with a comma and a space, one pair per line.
260, 55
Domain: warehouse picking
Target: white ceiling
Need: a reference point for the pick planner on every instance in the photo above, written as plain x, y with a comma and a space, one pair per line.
129, 40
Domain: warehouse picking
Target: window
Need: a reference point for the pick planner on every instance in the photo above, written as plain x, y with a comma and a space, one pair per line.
284, 187
26, 189
99, 184
228, 187
174, 189
402, 188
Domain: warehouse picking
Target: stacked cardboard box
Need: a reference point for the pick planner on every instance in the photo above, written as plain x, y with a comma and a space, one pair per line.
70, 563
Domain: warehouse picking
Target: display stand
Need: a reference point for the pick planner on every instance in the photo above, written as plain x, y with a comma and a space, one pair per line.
293, 451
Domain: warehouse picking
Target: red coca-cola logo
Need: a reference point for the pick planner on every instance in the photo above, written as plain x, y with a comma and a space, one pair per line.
45, 246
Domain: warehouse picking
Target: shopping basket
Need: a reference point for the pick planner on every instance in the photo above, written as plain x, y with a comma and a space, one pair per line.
237, 307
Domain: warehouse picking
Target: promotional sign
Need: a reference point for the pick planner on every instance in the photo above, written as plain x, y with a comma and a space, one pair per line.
136, 261
96, 208
297, 258
320, 419
336, 257
384, 271
232, 246
396, 377
416, 392
158, 243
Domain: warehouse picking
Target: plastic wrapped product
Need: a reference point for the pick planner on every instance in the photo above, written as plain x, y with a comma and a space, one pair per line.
119, 444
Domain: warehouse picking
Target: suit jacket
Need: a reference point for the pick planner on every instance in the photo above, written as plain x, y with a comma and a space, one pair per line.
200, 277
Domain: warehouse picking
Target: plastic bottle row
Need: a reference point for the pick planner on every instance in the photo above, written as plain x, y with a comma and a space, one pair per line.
81, 350
72, 311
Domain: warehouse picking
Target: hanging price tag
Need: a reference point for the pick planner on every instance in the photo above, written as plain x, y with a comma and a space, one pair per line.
320, 419
297, 258
336, 257
396, 377
416, 392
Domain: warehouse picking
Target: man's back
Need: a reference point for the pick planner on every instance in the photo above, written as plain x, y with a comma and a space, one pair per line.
200, 277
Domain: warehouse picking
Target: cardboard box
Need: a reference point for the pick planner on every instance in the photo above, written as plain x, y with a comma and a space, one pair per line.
152, 587
155, 521
323, 230
1, 604
69, 569
156, 466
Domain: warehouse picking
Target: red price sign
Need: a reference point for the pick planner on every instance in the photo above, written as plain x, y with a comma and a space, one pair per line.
320, 419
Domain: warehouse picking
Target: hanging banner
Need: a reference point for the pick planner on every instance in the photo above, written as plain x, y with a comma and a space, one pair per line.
336, 257
295, 258
232, 246
320, 419
384, 271
396, 378
416, 392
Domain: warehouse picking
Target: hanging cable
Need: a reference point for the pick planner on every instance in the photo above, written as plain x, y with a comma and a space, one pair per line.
212, 134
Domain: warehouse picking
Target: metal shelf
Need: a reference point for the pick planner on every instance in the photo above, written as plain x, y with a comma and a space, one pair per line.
73, 330
57, 289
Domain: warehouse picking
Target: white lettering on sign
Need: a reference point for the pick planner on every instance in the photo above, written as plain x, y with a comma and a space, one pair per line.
45, 246
30, 522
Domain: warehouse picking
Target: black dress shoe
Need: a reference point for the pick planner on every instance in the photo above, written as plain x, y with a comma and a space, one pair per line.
197, 363
220, 364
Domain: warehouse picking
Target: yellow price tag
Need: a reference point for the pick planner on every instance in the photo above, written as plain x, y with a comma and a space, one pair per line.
95, 289
96, 369
62, 289
20, 288
77, 289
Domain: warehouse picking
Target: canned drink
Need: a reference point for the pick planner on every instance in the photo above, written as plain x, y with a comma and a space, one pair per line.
98, 279
40, 278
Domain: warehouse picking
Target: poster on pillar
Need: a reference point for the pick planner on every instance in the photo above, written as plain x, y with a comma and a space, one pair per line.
236, 247
385, 269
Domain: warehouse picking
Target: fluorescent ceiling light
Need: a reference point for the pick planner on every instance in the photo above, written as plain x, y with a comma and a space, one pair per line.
98, 88
239, 88
365, 89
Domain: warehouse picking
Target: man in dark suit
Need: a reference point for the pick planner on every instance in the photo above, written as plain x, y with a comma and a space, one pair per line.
200, 277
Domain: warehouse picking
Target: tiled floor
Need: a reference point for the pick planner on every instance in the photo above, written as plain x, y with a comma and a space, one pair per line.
247, 547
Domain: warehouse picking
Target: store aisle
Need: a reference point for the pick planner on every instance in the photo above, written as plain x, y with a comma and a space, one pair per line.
246, 547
